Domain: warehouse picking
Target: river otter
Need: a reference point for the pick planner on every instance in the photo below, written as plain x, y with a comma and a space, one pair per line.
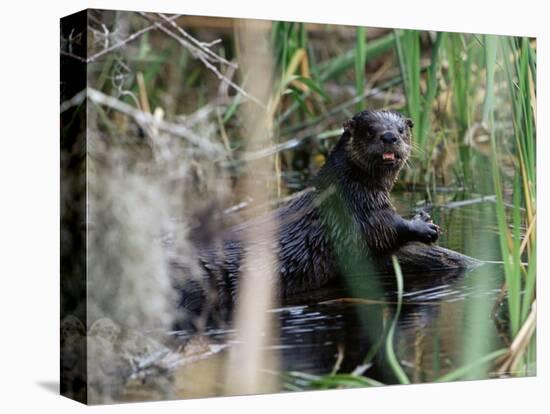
346, 219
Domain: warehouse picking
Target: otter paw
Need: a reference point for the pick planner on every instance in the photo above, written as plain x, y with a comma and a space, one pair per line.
427, 232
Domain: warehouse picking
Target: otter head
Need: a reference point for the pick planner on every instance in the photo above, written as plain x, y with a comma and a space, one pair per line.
378, 143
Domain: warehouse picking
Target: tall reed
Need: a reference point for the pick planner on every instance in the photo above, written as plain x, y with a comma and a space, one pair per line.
419, 99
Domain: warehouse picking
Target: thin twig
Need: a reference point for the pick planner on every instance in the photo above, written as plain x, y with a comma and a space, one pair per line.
527, 236
142, 118
114, 46
76, 100
203, 113
477, 200
201, 55
339, 359
520, 343
273, 204
72, 55
202, 46
298, 140
194, 50
122, 42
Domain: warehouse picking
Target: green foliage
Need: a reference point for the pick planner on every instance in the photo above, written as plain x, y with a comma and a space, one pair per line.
419, 100
465, 370
299, 381
521, 90
390, 353
360, 60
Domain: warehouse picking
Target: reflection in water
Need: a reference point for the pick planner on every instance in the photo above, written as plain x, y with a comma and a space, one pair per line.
334, 333
314, 337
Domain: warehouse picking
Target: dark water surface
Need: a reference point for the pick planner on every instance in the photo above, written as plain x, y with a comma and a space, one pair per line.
446, 316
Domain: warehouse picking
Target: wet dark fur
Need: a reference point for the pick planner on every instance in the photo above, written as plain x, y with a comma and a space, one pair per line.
347, 217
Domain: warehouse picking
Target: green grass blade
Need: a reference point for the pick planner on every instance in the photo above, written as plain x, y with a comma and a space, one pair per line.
465, 370
490, 42
344, 381
504, 234
530, 283
333, 68
390, 353
431, 92
360, 60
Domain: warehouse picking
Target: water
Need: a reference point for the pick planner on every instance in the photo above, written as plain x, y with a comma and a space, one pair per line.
447, 317
430, 339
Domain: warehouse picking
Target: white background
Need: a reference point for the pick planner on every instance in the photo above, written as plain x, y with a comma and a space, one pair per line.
29, 207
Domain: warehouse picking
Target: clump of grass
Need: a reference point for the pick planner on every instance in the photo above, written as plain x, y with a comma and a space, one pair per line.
520, 278
360, 59
419, 100
292, 59
301, 381
459, 68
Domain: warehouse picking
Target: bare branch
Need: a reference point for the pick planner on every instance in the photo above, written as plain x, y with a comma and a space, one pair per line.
122, 42
212, 43
72, 55
299, 139
202, 46
204, 58
144, 118
76, 100
117, 45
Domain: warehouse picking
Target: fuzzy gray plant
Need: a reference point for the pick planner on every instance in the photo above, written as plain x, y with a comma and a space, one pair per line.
139, 209
128, 277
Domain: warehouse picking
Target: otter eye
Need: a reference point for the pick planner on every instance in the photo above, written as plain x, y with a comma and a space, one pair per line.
400, 130
370, 131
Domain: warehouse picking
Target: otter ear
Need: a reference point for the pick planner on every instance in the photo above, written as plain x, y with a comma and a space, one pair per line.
349, 126
409, 122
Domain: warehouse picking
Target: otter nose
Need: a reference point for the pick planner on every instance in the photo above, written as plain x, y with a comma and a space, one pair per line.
388, 138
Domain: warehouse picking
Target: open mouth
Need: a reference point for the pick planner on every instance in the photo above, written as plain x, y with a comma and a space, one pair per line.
388, 157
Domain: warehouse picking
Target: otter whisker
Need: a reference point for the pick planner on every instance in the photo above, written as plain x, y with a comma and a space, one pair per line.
417, 148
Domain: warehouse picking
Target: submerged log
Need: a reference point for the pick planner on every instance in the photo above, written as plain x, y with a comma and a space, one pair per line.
419, 257
424, 266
